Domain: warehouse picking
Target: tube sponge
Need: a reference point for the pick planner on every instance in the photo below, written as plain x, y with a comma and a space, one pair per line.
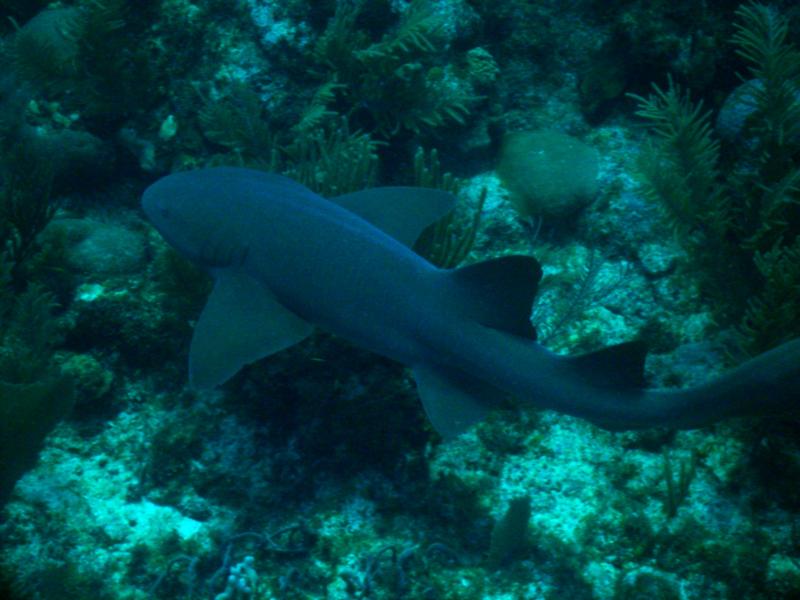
28, 412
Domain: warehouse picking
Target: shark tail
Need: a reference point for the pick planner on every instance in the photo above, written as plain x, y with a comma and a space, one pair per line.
497, 295
606, 387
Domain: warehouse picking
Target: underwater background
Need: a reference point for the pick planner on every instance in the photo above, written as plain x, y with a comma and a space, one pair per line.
645, 152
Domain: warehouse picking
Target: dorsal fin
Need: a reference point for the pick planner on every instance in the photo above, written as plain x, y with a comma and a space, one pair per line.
401, 212
617, 366
499, 293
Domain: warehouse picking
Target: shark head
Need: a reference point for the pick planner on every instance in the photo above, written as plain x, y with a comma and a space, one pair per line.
189, 213
175, 205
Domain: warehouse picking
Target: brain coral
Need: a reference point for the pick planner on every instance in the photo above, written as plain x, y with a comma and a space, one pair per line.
549, 174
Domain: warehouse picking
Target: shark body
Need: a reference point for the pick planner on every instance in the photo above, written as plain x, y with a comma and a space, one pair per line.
286, 259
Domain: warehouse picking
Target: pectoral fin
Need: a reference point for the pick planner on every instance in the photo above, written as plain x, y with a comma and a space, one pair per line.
241, 322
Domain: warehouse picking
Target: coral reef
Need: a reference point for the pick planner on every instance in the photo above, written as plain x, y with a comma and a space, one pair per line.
739, 219
314, 473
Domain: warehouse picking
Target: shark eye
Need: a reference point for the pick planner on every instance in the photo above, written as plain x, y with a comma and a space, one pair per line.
164, 212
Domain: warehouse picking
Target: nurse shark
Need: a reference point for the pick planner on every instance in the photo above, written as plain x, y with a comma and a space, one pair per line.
285, 260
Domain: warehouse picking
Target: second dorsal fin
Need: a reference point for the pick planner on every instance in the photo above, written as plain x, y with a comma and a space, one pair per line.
617, 366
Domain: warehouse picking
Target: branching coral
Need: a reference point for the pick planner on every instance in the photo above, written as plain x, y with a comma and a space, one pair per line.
772, 316
320, 150
681, 170
449, 241
25, 209
28, 336
91, 57
333, 160
33, 395
741, 220
237, 122
393, 84
761, 39
44, 50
